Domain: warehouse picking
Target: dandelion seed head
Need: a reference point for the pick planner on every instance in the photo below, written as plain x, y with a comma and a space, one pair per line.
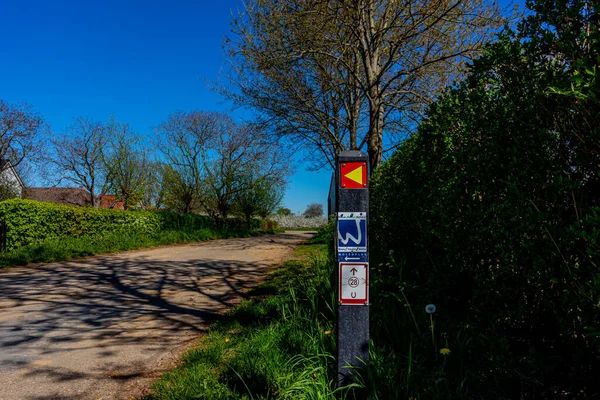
430, 308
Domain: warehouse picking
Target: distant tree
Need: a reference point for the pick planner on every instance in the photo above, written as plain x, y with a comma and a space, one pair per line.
77, 157
313, 210
20, 130
283, 211
260, 198
179, 194
219, 158
127, 164
154, 192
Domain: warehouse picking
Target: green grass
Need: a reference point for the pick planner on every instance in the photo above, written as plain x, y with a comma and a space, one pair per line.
77, 247
279, 344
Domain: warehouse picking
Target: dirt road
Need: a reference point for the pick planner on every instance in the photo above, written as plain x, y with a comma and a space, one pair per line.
103, 327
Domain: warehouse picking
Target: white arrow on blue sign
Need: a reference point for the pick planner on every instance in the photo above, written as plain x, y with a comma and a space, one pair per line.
352, 236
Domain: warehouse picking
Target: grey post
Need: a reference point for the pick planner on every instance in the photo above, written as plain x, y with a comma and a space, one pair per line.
352, 204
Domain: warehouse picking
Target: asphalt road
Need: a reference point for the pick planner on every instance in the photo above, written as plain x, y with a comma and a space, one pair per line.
105, 327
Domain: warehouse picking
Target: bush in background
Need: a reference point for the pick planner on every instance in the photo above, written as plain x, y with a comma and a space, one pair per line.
29, 222
313, 210
295, 222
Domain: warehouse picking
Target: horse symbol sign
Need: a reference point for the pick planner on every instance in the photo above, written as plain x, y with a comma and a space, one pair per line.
352, 237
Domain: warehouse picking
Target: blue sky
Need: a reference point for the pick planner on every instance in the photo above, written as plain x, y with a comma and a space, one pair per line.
135, 60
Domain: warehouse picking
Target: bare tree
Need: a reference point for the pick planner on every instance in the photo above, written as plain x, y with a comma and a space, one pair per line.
77, 157
127, 164
20, 128
311, 98
154, 192
182, 140
382, 60
215, 155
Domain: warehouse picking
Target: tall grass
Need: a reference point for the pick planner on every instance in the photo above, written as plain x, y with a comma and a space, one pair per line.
277, 345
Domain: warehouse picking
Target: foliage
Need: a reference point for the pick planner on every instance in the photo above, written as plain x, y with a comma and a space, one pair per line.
31, 222
313, 210
295, 222
179, 195
67, 248
335, 76
127, 164
283, 211
276, 346
218, 161
495, 220
260, 198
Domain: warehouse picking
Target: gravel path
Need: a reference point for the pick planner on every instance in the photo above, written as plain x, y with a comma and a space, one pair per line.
104, 327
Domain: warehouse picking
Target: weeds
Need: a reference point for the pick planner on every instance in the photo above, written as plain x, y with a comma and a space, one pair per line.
277, 345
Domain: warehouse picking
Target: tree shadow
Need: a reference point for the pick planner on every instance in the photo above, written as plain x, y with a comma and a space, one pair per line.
106, 307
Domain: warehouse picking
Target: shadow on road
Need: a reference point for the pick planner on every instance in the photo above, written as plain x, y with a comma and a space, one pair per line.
104, 304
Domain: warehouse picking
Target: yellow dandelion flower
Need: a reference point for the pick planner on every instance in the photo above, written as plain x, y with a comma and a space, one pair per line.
328, 332
444, 351
226, 340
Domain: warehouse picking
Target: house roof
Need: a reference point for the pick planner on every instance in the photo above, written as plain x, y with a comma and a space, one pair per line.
110, 201
6, 165
68, 196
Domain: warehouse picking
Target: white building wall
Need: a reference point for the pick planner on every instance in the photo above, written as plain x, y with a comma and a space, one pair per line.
8, 176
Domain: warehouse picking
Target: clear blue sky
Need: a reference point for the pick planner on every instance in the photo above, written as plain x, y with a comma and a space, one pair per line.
136, 60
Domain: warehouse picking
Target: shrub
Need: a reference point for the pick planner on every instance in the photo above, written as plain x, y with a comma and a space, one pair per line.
30, 222
294, 222
492, 213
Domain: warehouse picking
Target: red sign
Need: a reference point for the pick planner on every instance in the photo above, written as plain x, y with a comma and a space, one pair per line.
354, 284
353, 175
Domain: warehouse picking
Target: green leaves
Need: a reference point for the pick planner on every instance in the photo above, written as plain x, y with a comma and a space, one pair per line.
493, 207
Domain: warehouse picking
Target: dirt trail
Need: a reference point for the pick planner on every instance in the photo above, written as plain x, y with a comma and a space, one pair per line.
103, 327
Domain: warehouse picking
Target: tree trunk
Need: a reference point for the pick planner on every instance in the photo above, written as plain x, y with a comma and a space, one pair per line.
375, 142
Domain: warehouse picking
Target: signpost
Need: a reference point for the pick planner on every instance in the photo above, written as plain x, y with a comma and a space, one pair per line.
352, 203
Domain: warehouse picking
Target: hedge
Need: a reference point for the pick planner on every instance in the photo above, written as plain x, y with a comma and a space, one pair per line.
31, 222
492, 213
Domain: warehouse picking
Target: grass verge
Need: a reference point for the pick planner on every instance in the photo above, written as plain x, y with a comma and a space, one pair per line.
77, 247
279, 344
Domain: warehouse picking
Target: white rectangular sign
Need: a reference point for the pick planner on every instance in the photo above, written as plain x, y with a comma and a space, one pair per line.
354, 283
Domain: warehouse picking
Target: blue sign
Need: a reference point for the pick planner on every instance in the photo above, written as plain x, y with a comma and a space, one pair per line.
352, 236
